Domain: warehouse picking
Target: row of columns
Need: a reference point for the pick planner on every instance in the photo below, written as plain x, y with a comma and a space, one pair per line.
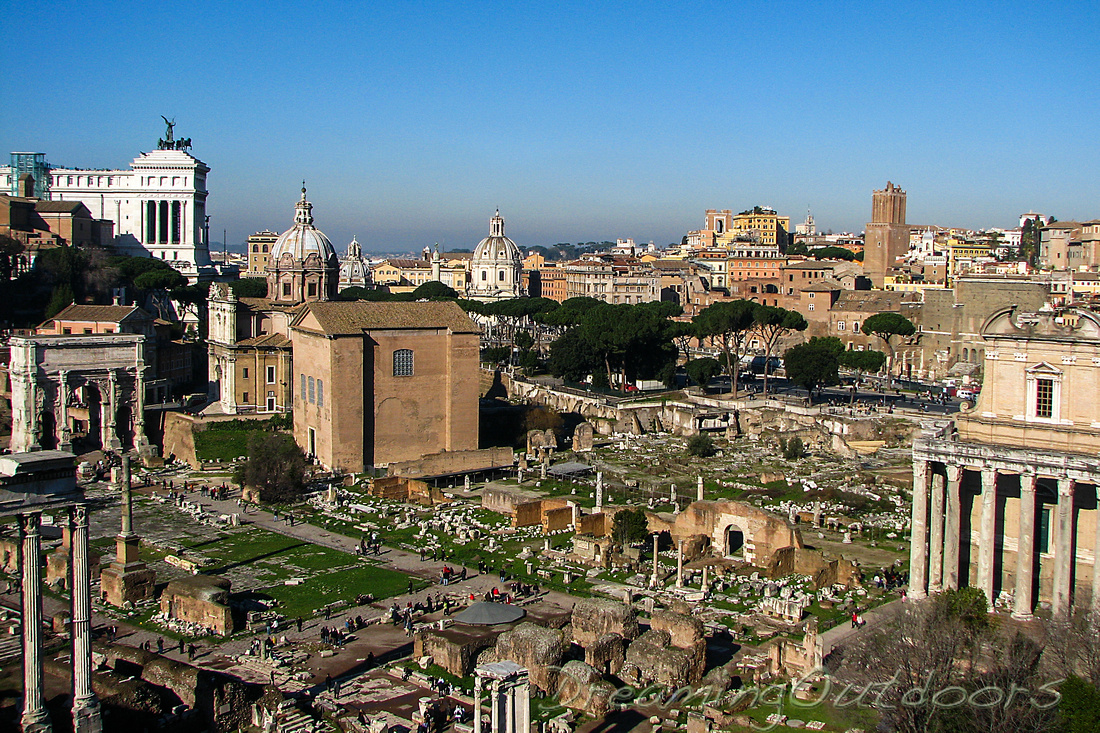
35, 718
164, 221
509, 701
936, 538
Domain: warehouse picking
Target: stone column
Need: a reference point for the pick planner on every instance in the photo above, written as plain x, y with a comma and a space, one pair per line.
523, 703
653, 581
477, 703
508, 700
918, 545
952, 527
935, 536
699, 489
140, 440
494, 702
1096, 563
64, 438
599, 491
127, 499
987, 532
1065, 549
85, 706
34, 418
34, 719
1025, 550
680, 564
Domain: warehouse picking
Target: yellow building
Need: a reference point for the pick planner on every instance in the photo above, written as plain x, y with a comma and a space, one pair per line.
259, 252
763, 223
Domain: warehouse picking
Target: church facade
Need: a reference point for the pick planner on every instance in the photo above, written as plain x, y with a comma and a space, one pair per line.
496, 269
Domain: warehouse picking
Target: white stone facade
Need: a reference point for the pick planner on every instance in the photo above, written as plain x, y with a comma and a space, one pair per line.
158, 206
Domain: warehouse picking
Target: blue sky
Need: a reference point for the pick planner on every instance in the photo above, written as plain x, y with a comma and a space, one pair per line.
412, 121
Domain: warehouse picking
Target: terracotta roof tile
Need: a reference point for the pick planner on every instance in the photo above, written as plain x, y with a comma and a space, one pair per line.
106, 313
346, 318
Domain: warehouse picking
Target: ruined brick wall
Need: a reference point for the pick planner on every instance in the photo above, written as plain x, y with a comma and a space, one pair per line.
528, 514
200, 600
594, 618
539, 650
597, 525
179, 438
504, 501
554, 520
458, 461
454, 653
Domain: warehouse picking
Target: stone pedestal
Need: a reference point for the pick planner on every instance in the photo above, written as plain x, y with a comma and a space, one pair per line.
127, 578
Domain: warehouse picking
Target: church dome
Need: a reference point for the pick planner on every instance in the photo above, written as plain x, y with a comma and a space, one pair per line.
303, 239
496, 247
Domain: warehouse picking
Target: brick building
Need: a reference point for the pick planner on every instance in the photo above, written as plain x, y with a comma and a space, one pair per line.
384, 382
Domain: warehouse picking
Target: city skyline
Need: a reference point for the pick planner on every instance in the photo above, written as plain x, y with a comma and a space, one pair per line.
411, 125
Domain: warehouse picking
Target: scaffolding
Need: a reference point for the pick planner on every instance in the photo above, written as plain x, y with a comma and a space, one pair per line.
35, 164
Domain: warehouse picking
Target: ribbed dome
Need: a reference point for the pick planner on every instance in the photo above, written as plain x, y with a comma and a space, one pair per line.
303, 239
496, 246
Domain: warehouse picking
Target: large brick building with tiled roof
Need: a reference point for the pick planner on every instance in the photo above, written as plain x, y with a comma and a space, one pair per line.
377, 383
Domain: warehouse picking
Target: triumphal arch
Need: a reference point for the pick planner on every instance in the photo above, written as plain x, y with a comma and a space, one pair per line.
85, 389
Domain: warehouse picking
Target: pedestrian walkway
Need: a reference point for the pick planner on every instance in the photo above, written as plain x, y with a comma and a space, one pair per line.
836, 636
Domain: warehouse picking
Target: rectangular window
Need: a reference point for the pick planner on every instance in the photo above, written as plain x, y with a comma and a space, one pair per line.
245, 374
244, 398
303, 390
312, 391
403, 363
320, 393
286, 289
1044, 398
271, 375
1042, 543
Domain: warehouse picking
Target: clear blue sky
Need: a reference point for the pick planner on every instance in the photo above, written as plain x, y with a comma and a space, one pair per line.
412, 121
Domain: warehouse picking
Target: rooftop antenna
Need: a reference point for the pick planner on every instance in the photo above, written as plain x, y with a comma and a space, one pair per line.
225, 249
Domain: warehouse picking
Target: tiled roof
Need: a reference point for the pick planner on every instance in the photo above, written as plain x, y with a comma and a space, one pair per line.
267, 341
59, 207
823, 286
265, 304
105, 313
346, 318
877, 301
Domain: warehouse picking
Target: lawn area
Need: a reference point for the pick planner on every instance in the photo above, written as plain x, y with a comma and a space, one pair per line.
227, 439
326, 575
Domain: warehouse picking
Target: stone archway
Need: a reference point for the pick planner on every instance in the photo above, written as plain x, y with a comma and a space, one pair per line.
734, 538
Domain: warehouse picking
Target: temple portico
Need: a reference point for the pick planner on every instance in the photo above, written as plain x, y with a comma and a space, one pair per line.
31, 483
1005, 520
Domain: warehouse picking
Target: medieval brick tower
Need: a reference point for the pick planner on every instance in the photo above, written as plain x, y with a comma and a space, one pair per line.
887, 236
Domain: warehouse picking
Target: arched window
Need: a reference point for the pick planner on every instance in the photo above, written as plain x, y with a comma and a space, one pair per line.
265, 249
403, 363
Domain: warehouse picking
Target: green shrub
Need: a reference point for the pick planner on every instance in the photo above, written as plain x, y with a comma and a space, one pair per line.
701, 446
